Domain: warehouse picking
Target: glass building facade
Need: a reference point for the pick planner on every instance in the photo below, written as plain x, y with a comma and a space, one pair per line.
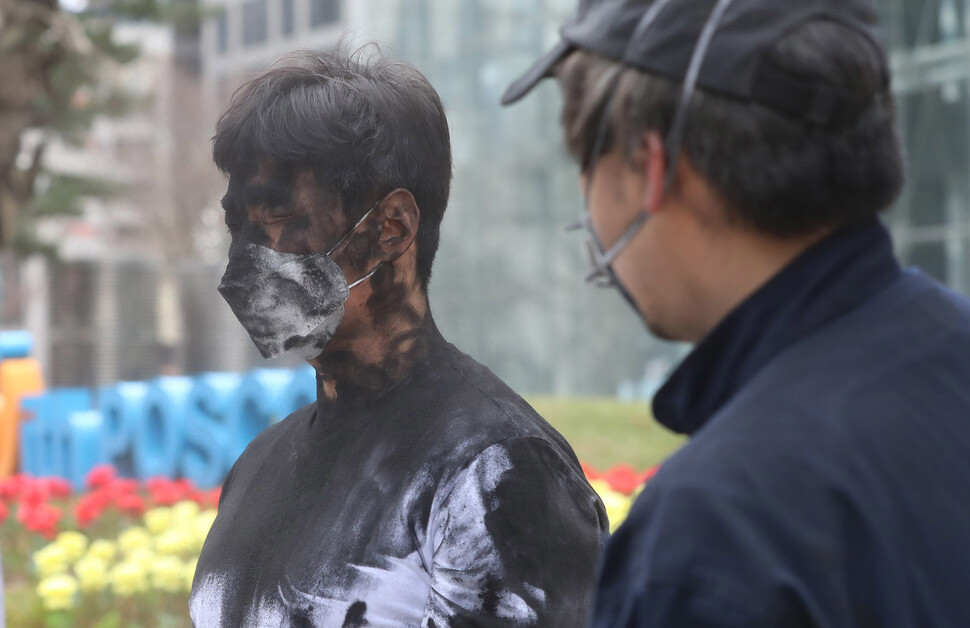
930, 43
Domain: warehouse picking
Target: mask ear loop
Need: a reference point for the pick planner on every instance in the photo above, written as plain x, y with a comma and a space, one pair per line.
365, 277
611, 80
343, 240
602, 271
675, 138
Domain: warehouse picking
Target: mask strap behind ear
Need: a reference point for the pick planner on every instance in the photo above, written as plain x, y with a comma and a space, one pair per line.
675, 137
645, 22
346, 236
365, 277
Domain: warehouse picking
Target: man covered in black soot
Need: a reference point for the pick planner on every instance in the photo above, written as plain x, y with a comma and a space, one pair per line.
418, 490
735, 155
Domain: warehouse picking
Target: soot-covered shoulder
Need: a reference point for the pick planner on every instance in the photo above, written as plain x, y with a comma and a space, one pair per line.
477, 400
265, 443
280, 430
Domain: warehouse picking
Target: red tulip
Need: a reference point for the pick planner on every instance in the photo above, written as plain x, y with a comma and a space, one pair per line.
622, 478
165, 492
10, 487
35, 491
58, 487
591, 472
210, 498
649, 473
130, 503
122, 486
41, 518
100, 475
89, 507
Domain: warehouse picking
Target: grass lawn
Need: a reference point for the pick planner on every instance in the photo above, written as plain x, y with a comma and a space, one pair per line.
605, 432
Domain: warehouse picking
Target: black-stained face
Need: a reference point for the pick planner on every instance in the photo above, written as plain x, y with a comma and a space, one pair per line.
283, 209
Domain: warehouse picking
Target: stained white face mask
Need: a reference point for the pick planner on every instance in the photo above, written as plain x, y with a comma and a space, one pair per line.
288, 303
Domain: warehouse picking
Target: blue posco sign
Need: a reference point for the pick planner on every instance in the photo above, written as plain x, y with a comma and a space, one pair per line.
192, 427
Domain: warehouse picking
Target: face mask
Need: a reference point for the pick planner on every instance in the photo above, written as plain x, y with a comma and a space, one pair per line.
288, 303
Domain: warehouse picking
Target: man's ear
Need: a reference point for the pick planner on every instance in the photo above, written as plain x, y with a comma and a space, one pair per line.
399, 216
654, 166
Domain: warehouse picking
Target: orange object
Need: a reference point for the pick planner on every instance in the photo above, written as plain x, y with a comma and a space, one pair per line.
18, 377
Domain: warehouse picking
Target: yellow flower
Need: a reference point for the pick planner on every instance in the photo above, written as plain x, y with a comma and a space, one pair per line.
51, 560
600, 486
168, 574
92, 573
204, 522
103, 549
190, 573
185, 511
157, 520
57, 592
73, 543
134, 538
128, 578
199, 529
617, 508
617, 504
175, 542
143, 557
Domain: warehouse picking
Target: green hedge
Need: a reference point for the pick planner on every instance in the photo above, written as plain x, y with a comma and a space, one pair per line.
605, 432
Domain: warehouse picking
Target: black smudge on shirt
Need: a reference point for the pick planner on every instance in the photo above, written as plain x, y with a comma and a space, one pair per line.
300, 618
355, 615
489, 595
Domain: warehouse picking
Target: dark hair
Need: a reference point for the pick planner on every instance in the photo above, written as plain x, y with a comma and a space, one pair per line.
363, 124
776, 174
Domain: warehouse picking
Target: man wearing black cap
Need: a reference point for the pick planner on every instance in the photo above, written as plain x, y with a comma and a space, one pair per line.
734, 156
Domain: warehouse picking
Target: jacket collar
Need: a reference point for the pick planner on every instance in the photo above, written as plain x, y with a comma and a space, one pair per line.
828, 280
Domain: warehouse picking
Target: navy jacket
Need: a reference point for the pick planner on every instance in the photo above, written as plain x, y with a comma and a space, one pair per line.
827, 480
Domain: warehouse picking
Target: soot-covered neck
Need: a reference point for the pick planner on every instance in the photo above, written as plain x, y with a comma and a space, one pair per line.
398, 333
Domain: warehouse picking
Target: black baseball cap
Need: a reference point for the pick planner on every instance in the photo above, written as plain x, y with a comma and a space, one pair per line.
735, 64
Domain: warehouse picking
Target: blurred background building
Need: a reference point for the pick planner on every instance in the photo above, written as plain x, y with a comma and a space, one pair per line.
135, 294
930, 43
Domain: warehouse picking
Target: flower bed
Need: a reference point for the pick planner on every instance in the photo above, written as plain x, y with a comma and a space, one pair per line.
123, 552
618, 487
